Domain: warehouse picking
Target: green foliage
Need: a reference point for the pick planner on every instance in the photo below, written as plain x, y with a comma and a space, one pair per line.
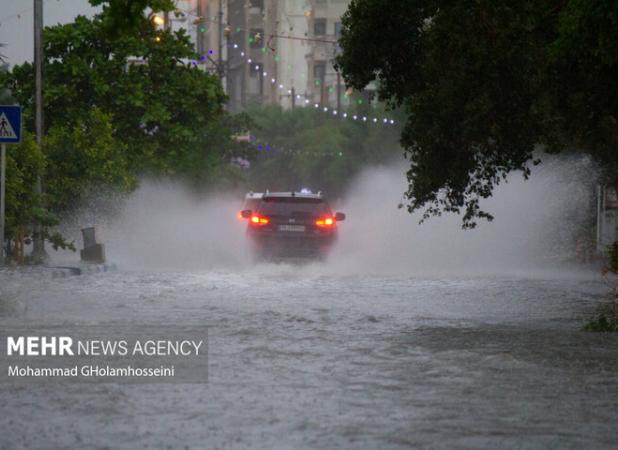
485, 83
117, 105
605, 319
23, 163
122, 16
83, 157
612, 258
313, 149
161, 107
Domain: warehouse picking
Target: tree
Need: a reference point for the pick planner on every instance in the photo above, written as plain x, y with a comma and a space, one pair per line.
122, 16
308, 148
81, 158
484, 83
160, 105
118, 105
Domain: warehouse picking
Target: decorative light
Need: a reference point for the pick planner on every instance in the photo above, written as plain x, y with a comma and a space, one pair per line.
317, 82
202, 58
158, 20
257, 67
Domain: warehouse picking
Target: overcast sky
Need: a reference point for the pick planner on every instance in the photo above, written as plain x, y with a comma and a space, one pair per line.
16, 23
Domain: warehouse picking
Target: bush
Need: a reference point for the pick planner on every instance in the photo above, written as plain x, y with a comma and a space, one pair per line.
605, 319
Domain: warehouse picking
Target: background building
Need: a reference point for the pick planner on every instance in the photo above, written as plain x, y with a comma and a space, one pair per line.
269, 51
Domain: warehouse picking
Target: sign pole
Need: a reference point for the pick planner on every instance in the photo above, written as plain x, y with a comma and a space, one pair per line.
2, 201
10, 132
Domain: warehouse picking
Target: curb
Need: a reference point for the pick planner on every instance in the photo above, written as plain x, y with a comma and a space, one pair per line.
57, 271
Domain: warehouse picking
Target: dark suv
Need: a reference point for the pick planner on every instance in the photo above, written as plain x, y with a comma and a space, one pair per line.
291, 224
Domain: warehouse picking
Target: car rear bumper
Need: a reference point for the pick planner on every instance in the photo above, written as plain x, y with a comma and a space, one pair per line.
281, 244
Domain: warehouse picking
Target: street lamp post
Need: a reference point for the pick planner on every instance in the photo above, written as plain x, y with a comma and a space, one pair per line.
38, 248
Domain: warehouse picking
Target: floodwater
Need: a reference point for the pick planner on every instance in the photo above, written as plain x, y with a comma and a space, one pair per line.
302, 359
407, 337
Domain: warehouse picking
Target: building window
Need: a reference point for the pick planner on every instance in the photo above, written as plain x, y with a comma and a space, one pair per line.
319, 70
256, 4
319, 27
337, 30
256, 78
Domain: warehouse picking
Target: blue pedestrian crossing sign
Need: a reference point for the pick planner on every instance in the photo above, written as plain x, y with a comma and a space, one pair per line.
10, 124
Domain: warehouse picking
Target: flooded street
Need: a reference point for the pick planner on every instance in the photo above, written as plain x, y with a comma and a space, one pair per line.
300, 357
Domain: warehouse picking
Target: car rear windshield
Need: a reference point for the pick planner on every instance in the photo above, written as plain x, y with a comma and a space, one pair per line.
251, 203
293, 205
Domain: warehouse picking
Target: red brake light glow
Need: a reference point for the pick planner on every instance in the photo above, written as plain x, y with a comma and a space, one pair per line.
325, 222
258, 220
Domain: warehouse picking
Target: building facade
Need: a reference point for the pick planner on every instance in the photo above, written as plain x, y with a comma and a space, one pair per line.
270, 51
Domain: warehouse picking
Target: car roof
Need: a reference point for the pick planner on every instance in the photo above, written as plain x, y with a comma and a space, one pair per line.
292, 195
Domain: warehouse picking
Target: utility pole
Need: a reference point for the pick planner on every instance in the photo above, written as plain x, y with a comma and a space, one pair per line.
293, 97
166, 20
38, 247
199, 37
338, 91
220, 49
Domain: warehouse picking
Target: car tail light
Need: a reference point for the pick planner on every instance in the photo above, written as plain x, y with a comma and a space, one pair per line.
259, 220
239, 216
325, 222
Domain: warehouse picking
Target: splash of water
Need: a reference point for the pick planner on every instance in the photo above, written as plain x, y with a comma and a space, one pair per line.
164, 225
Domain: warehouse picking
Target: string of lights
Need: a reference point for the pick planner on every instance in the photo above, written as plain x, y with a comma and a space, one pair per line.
241, 54
268, 150
290, 90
